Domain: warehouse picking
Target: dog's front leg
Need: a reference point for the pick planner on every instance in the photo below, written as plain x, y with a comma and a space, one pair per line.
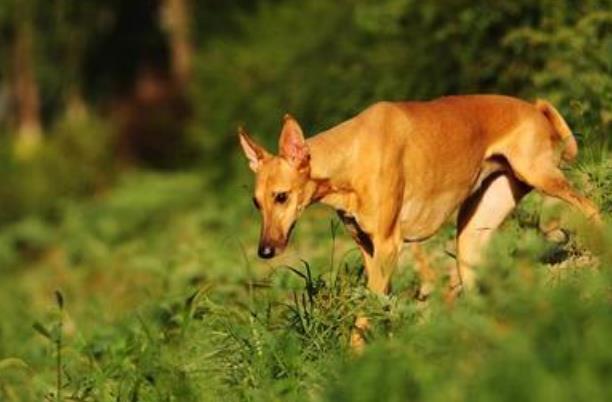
381, 265
380, 262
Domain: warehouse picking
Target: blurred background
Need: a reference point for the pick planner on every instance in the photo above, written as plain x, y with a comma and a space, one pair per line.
121, 180
95, 88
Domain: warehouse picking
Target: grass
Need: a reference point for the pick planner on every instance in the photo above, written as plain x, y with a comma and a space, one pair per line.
152, 292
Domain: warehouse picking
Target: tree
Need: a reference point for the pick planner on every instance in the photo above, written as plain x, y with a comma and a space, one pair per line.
176, 20
26, 98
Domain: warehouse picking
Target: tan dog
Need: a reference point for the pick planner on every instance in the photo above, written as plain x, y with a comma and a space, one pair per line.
397, 171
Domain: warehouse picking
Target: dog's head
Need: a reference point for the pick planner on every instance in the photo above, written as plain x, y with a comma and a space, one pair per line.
283, 188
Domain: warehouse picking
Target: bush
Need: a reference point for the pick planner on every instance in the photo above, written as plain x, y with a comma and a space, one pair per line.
75, 161
325, 61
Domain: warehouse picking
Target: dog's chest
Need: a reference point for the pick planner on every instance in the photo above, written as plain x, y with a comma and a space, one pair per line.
361, 237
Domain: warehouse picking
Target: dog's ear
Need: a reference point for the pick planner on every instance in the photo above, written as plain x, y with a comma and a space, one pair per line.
254, 153
292, 145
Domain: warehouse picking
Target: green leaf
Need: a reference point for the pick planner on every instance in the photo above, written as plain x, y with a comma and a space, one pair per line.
38, 327
60, 299
12, 362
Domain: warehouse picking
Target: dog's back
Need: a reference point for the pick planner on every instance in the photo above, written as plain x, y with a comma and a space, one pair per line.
449, 141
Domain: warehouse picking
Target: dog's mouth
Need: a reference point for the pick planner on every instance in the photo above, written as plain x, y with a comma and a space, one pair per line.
290, 232
280, 248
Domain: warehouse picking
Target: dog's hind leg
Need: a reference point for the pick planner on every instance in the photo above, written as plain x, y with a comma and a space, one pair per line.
479, 216
556, 185
544, 176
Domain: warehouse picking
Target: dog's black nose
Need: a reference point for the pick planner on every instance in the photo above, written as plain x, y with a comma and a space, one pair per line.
265, 251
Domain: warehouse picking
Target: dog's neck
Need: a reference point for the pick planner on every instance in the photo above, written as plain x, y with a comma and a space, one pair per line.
330, 168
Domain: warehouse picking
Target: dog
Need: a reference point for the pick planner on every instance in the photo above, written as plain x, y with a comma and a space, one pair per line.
396, 172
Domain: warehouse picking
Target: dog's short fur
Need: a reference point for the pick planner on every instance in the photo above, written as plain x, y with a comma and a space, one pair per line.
397, 171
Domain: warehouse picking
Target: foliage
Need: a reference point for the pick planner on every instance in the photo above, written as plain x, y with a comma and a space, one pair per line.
76, 161
132, 285
156, 306
570, 50
361, 52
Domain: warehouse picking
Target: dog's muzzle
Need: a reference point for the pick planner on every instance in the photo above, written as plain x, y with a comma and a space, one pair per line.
268, 248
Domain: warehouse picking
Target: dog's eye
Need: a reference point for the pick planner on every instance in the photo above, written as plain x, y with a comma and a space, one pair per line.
256, 203
280, 198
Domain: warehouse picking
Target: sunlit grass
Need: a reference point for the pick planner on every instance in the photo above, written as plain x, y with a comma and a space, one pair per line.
164, 299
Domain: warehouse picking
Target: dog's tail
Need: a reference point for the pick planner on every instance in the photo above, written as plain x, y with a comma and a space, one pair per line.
562, 130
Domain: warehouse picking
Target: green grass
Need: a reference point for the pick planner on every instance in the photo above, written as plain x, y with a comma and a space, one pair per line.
163, 299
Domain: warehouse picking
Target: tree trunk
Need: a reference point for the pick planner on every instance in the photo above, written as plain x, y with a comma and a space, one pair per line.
26, 96
176, 21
